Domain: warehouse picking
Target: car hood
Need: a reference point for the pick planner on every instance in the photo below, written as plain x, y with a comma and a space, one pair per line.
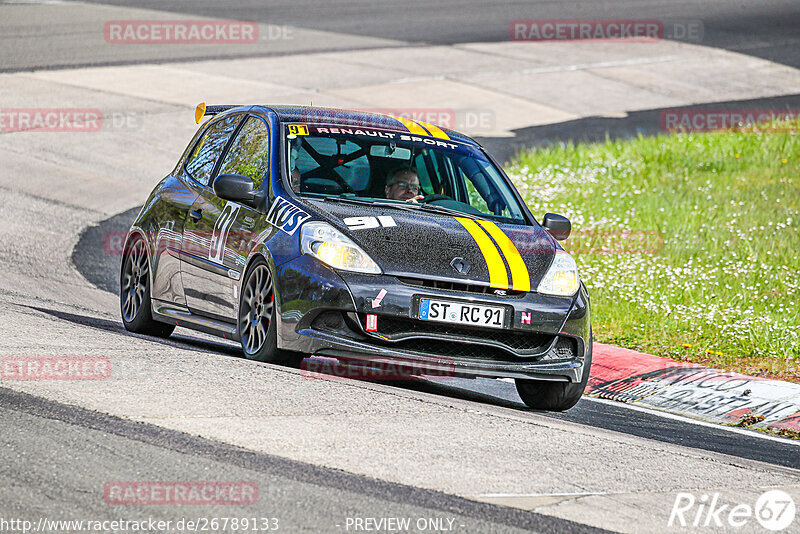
432, 246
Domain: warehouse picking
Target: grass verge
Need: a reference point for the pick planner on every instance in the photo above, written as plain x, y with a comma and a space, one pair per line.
688, 242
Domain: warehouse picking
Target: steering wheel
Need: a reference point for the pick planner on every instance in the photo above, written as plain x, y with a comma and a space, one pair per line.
329, 175
433, 198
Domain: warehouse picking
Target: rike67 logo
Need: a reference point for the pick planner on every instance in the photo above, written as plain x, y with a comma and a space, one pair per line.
774, 510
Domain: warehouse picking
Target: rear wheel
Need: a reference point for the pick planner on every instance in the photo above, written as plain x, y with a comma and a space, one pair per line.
257, 325
134, 293
555, 396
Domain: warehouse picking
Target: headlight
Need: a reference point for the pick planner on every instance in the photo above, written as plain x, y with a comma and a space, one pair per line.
330, 246
562, 278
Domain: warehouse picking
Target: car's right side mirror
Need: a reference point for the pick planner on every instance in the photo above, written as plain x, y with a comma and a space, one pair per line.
558, 226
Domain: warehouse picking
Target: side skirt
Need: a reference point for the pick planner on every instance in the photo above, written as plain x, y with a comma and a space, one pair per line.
180, 316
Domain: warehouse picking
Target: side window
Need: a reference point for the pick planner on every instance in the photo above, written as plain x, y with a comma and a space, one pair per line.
201, 162
421, 163
487, 194
475, 198
249, 153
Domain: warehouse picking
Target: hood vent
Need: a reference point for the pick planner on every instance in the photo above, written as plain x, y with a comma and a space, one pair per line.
460, 286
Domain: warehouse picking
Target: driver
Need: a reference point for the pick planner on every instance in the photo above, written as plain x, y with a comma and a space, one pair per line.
403, 184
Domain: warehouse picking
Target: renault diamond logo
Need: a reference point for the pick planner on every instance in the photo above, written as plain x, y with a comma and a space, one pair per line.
461, 265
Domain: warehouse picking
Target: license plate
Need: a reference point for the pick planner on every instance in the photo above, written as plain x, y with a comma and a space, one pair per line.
448, 311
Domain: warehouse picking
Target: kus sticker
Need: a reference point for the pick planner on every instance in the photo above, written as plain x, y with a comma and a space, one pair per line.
286, 215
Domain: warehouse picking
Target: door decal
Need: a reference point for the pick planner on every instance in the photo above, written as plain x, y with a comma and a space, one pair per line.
216, 250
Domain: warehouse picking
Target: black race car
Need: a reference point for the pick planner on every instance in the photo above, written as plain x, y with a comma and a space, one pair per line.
362, 238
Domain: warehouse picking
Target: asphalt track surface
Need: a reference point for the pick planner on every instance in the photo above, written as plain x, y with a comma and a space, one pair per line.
767, 29
302, 497
102, 270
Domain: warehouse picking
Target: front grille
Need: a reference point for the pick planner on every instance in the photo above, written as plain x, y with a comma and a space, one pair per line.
450, 349
518, 342
459, 286
449, 341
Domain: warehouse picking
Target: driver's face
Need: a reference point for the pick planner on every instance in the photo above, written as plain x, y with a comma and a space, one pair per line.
403, 187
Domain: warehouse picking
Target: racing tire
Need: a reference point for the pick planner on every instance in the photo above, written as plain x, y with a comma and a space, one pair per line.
555, 396
256, 320
134, 293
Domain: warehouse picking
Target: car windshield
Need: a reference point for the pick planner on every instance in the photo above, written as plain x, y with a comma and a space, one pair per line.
383, 166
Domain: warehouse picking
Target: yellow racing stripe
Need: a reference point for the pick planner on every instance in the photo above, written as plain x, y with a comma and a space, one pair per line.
435, 130
412, 126
520, 277
498, 277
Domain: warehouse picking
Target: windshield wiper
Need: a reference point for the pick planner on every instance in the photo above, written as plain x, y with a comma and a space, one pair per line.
348, 200
406, 206
441, 209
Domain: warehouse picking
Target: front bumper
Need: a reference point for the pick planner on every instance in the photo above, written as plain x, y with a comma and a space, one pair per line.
323, 313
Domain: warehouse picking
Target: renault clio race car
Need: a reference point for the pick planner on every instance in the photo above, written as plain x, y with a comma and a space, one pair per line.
274, 229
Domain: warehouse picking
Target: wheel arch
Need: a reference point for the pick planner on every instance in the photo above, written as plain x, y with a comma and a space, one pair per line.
133, 233
262, 252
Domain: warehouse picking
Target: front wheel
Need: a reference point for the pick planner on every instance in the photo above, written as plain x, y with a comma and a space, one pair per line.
134, 293
555, 396
257, 326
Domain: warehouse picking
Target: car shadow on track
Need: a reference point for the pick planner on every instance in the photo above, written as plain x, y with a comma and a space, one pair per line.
500, 393
175, 340
482, 390
490, 392
472, 390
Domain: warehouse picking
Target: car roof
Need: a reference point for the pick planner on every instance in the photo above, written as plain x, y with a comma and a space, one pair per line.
345, 117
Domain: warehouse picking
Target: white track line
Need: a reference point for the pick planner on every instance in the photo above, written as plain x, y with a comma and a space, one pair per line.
684, 419
505, 495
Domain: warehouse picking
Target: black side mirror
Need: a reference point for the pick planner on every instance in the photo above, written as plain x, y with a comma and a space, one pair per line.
558, 226
238, 188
